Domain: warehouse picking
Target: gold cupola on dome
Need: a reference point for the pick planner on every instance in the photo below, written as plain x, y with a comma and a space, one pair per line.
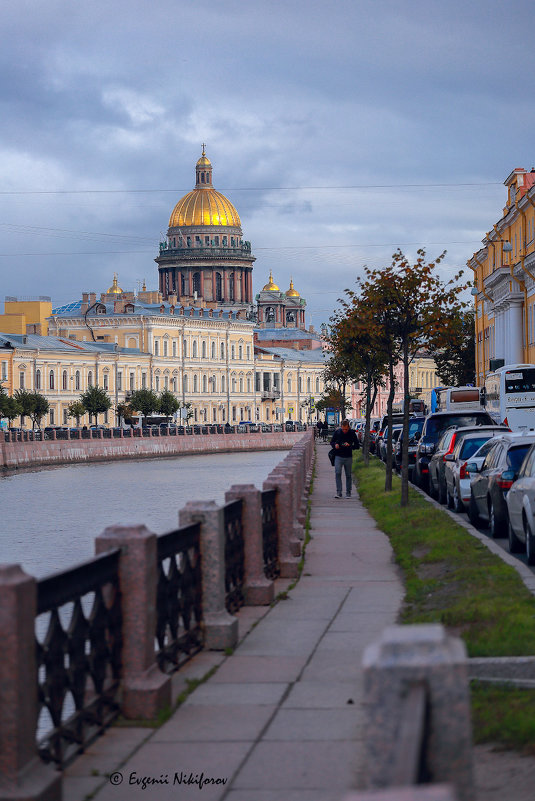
204, 206
292, 292
271, 286
115, 289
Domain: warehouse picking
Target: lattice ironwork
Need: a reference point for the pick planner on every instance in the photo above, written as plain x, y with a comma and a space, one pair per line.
179, 624
270, 534
78, 655
234, 556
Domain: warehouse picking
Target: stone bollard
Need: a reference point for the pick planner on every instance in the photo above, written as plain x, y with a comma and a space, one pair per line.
221, 628
146, 690
292, 521
259, 590
288, 560
23, 775
407, 654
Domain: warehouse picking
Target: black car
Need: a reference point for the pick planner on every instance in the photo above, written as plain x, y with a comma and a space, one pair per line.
434, 426
415, 429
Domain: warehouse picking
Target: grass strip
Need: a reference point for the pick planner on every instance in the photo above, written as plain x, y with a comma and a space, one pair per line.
453, 579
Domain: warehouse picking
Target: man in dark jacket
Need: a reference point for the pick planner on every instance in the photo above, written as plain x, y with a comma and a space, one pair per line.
344, 441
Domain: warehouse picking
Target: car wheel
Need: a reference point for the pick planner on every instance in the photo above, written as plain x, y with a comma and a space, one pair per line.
473, 514
530, 545
515, 546
457, 503
495, 524
442, 494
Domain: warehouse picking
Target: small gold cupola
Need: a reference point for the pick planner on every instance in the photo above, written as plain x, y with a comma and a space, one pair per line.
115, 289
292, 293
271, 287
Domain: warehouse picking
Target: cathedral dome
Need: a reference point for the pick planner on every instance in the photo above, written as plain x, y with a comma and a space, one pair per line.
115, 289
292, 293
271, 287
204, 206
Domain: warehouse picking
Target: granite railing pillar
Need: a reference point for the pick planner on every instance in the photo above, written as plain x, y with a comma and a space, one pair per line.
23, 775
145, 689
221, 628
297, 533
259, 590
52, 434
288, 558
404, 655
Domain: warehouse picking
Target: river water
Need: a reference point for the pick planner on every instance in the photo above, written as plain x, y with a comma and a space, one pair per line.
49, 518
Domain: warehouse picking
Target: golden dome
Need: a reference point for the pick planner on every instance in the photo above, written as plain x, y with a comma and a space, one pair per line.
271, 287
204, 206
292, 293
115, 289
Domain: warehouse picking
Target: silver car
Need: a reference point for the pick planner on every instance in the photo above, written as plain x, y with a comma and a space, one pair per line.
472, 447
521, 507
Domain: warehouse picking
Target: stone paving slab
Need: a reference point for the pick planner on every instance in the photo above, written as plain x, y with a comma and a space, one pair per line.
314, 724
197, 723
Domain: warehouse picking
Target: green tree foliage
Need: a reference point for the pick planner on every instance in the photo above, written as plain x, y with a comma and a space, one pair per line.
455, 361
76, 409
33, 404
95, 401
125, 412
10, 408
145, 401
168, 403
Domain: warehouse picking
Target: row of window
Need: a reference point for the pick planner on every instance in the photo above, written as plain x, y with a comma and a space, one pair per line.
203, 354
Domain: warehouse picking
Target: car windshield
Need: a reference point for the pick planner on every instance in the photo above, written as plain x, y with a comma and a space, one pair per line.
435, 425
470, 446
515, 456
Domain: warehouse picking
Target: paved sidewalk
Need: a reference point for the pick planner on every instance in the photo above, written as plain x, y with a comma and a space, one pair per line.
281, 718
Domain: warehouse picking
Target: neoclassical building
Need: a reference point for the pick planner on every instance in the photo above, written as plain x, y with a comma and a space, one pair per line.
197, 335
504, 280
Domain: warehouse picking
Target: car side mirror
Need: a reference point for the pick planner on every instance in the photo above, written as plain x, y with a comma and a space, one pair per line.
449, 457
472, 467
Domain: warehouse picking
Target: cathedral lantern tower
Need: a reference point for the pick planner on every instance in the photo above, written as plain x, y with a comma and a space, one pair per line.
204, 258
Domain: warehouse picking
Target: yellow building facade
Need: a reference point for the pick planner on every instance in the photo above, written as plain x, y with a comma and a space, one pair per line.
504, 280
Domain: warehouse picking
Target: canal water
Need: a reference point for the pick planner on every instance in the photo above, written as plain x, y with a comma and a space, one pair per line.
49, 518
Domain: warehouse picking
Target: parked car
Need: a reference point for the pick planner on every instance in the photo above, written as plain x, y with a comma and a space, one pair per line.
443, 453
521, 508
490, 483
435, 424
375, 427
415, 430
382, 440
472, 447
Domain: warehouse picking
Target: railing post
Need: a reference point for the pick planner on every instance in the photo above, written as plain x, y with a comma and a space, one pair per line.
294, 521
221, 629
288, 558
403, 655
146, 690
259, 591
23, 775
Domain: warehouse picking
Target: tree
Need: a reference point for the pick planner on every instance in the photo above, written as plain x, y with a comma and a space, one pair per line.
423, 307
125, 412
10, 408
95, 401
32, 404
168, 403
145, 401
455, 361
76, 409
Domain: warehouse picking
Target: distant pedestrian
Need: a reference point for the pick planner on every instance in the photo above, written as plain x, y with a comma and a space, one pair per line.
344, 441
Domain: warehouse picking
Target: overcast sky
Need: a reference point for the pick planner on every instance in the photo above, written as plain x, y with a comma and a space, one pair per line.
340, 131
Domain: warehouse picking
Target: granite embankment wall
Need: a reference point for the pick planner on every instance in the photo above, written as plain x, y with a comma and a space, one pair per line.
22, 455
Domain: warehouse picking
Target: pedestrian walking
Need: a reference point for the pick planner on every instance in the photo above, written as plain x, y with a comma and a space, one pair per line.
344, 442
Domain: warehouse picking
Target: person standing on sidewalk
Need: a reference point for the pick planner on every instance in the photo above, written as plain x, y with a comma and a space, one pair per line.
344, 441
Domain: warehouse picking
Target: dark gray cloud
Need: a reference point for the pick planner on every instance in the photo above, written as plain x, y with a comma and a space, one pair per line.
317, 118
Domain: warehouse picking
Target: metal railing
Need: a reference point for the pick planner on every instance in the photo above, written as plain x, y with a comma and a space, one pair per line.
78, 656
234, 556
179, 613
270, 545
163, 430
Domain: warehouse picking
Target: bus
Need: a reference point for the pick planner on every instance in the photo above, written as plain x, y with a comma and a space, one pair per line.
416, 407
450, 399
509, 396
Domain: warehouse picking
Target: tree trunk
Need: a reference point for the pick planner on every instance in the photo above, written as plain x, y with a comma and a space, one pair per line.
389, 403
405, 443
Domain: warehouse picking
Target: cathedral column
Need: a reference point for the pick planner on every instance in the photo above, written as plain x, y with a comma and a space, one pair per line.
190, 282
225, 285
201, 274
